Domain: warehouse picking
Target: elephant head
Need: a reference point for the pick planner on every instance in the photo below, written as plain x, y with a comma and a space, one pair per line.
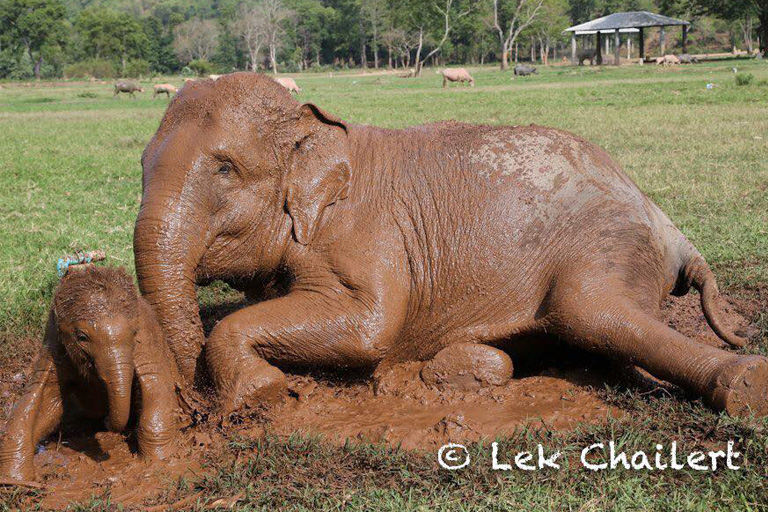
99, 343
237, 174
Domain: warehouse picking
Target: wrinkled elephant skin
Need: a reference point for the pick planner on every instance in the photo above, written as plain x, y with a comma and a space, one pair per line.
374, 246
101, 342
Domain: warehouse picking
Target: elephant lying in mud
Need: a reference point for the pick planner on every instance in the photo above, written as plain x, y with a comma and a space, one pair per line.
378, 246
100, 342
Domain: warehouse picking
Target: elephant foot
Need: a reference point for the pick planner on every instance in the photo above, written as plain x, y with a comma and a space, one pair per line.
18, 470
255, 384
162, 450
742, 387
467, 367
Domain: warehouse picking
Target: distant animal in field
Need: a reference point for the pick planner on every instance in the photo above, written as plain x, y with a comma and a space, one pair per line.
166, 89
215, 77
525, 70
409, 74
687, 58
127, 86
289, 84
590, 55
667, 60
460, 75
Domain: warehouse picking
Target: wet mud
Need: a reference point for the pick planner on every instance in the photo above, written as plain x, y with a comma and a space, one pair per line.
557, 392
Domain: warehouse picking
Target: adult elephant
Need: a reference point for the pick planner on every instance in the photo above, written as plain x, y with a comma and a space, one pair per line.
389, 245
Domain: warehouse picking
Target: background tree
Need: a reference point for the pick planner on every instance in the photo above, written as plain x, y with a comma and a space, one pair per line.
374, 13
274, 15
250, 28
309, 30
108, 34
196, 39
734, 10
510, 18
547, 28
430, 22
36, 25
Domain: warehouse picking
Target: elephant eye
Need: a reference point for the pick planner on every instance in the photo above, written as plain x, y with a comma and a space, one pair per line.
225, 169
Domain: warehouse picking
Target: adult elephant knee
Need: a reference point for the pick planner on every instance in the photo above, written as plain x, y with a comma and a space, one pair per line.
379, 246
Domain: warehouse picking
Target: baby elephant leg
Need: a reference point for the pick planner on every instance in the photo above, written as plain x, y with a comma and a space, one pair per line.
467, 367
36, 414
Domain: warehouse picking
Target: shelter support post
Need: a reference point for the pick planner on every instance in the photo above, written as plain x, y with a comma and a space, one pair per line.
685, 38
598, 49
617, 46
663, 41
641, 44
573, 48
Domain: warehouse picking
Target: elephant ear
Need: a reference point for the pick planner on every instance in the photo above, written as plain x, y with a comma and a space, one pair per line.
319, 170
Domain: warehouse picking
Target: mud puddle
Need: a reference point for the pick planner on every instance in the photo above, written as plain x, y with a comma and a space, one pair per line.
398, 410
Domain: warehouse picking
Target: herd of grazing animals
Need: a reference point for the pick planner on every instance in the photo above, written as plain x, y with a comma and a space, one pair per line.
450, 75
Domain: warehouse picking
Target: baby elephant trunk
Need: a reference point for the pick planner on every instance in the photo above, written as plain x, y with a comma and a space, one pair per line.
117, 374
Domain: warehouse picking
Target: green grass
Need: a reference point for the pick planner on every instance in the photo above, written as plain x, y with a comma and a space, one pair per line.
70, 179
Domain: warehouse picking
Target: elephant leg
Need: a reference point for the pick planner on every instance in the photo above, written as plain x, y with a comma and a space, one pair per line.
615, 326
301, 328
36, 414
156, 430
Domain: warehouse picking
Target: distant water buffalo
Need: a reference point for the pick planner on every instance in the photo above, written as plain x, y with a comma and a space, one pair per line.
166, 89
525, 70
686, 58
289, 84
667, 60
127, 86
460, 75
590, 55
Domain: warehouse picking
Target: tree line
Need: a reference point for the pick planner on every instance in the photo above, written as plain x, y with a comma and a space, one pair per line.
105, 38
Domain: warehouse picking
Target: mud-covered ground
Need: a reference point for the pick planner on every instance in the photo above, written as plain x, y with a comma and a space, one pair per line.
553, 388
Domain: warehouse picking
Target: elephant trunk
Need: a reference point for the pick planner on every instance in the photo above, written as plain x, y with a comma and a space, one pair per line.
168, 245
116, 371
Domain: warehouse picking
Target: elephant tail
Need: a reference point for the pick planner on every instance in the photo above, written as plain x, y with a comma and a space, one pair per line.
696, 272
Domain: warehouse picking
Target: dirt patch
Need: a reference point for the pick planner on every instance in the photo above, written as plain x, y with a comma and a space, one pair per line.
553, 392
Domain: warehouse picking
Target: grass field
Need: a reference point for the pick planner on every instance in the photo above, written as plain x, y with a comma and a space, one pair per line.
70, 178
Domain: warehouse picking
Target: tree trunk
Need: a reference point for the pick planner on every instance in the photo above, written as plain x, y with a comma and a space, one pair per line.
764, 31
375, 47
417, 61
273, 57
504, 59
37, 67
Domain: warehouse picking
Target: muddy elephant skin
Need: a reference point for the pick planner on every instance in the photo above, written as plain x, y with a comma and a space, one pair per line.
375, 246
103, 355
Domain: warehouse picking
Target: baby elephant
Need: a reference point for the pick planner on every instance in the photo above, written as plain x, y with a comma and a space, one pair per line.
460, 75
104, 356
166, 89
127, 86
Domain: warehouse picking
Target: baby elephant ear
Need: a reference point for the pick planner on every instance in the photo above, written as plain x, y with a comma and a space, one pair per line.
319, 172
